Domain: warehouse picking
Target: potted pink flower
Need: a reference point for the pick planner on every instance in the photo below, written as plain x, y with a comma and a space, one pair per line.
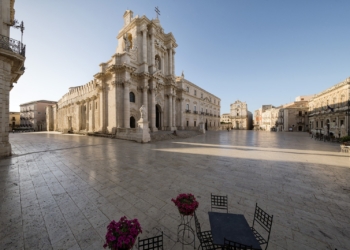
186, 203
121, 235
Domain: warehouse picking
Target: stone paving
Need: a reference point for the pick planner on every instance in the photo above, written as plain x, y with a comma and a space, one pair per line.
61, 191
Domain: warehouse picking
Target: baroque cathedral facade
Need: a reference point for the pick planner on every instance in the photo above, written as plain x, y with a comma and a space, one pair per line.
140, 73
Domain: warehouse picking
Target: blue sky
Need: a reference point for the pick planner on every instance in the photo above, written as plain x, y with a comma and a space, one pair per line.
258, 51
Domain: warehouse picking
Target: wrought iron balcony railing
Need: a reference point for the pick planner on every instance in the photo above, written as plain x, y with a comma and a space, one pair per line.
188, 111
12, 45
195, 112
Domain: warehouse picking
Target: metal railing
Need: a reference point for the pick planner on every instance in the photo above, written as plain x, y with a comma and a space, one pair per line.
195, 112
188, 111
12, 45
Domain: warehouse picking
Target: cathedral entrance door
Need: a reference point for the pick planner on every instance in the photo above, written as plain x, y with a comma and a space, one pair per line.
132, 122
237, 125
158, 117
206, 124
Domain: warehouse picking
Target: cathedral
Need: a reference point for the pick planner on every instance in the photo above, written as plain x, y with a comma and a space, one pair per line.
140, 74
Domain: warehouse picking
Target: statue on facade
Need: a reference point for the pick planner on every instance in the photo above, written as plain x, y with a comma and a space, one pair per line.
157, 63
143, 112
183, 75
126, 42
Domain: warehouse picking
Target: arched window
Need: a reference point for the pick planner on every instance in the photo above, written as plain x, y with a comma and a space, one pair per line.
132, 97
187, 107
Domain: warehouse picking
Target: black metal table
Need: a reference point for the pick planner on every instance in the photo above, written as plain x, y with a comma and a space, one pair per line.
233, 227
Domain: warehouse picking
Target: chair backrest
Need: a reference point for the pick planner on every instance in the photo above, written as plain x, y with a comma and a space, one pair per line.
197, 224
264, 219
155, 242
219, 202
231, 245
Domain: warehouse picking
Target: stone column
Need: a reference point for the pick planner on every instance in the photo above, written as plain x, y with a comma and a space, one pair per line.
92, 125
87, 114
153, 109
170, 60
5, 87
102, 110
174, 111
181, 114
126, 104
152, 51
173, 61
163, 63
170, 111
78, 112
144, 45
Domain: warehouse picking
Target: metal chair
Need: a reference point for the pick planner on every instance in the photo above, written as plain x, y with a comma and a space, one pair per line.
205, 238
231, 245
219, 202
265, 222
155, 242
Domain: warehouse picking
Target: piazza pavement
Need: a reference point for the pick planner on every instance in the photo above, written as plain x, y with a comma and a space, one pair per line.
61, 191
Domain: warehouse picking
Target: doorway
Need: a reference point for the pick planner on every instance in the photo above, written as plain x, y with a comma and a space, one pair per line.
206, 124
158, 117
132, 122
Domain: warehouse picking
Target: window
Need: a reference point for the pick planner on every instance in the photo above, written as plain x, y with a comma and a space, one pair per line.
201, 95
195, 123
341, 122
187, 107
132, 97
300, 113
321, 124
187, 123
188, 89
195, 108
195, 92
317, 124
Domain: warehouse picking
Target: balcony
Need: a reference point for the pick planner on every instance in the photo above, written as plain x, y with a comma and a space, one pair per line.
12, 45
195, 112
206, 113
202, 113
188, 111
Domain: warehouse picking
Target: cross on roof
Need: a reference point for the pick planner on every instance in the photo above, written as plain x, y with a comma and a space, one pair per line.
157, 11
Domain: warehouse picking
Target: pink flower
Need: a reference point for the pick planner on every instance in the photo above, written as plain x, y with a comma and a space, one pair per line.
122, 234
186, 203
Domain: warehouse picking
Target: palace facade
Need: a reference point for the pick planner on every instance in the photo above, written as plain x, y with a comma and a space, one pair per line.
140, 73
12, 57
329, 111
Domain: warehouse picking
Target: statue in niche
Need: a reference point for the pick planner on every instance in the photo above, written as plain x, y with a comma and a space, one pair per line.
126, 42
157, 63
143, 112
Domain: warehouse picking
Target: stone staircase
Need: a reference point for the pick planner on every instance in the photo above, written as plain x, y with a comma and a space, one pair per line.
168, 135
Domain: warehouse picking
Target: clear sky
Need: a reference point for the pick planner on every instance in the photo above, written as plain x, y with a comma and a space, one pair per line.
257, 51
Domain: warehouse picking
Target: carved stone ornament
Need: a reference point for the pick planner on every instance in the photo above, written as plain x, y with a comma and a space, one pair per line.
159, 100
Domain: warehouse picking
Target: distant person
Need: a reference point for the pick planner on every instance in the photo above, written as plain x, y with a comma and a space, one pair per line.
174, 133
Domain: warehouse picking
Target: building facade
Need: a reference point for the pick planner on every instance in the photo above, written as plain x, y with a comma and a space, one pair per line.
140, 73
12, 57
269, 119
258, 123
329, 111
33, 115
293, 117
241, 118
14, 120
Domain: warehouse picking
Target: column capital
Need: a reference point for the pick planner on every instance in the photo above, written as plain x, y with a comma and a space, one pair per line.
127, 84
